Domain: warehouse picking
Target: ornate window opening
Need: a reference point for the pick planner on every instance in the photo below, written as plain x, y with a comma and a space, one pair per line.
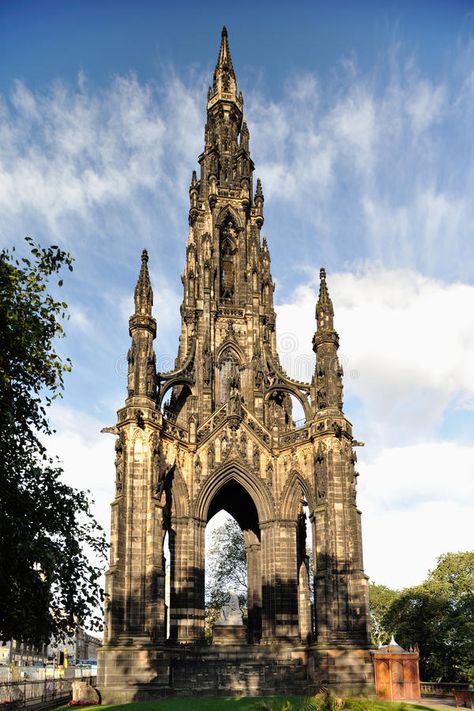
229, 375
228, 251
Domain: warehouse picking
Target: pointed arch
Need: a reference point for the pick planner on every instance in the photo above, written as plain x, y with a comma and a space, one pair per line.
138, 445
295, 485
235, 350
228, 211
234, 470
291, 390
179, 380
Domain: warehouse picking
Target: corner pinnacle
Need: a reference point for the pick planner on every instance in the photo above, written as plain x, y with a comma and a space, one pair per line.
143, 290
324, 307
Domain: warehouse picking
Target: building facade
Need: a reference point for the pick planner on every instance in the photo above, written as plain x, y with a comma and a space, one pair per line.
218, 432
83, 646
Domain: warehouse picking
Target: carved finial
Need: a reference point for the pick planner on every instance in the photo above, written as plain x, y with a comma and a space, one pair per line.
244, 136
143, 290
259, 199
324, 307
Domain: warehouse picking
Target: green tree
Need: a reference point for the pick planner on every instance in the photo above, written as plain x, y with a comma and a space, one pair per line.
47, 583
226, 570
381, 599
438, 615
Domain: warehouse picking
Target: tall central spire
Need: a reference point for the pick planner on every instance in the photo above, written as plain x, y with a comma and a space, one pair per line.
224, 82
224, 70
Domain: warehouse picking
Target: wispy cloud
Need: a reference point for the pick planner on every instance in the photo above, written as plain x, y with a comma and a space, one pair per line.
381, 170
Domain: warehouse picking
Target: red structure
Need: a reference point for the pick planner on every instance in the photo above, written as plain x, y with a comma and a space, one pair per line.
396, 673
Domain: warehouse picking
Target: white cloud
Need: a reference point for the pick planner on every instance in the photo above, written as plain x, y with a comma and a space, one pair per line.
87, 457
417, 503
425, 105
71, 151
405, 344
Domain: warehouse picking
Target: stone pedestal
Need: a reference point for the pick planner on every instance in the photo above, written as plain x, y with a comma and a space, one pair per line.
229, 634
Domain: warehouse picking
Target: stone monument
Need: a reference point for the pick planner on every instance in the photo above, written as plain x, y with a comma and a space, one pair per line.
229, 627
218, 431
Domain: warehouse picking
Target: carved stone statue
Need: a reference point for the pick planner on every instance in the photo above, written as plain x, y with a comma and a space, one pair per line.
151, 376
119, 462
235, 403
211, 457
198, 468
230, 613
256, 459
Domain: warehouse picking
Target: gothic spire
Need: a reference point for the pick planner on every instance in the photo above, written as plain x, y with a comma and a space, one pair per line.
329, 372
324, 307
224, 81
143, 290
142, 329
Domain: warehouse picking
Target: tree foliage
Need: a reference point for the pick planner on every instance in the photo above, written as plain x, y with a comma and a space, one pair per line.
380, 600
226, 570
47, 584
436, 616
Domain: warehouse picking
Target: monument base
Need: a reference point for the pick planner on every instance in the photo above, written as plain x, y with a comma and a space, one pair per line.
229, 634
142, 673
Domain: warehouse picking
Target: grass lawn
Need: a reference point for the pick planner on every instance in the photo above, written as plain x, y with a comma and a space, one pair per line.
246, 704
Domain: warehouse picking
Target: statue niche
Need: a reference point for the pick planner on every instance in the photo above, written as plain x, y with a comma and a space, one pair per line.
229, 376
228, 251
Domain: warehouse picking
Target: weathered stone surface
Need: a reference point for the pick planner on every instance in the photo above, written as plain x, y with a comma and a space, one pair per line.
84, 693
230, 634
227, 438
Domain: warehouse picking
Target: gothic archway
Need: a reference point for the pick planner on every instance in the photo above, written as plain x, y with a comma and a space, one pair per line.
236, 502
256, 489
297, 506
235, 490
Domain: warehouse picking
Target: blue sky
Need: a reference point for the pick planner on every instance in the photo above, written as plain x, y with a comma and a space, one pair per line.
360, 118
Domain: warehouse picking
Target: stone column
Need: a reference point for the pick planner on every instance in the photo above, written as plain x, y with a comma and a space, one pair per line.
187, 580
155, 618
254, 587
279, 581
268, 547
304, 603
287, 581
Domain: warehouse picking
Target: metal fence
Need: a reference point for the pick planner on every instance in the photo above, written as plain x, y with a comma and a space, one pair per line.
28, 692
